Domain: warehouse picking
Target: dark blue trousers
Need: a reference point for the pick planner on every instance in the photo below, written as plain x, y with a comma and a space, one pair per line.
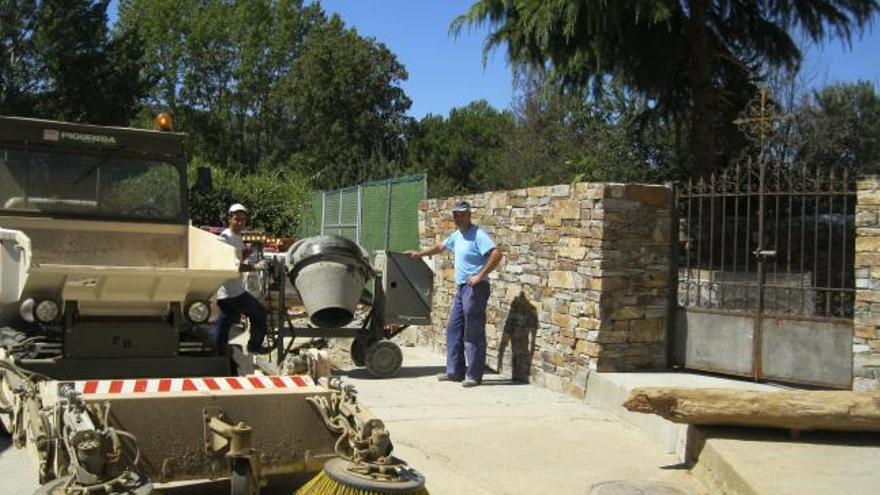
466, 332
231, 310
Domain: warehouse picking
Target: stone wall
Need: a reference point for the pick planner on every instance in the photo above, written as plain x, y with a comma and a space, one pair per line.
866, 323
583, 285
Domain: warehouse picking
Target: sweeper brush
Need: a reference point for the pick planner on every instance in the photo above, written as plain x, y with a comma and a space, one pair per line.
342, 477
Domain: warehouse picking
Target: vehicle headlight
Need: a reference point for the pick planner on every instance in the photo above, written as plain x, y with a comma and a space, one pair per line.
198, 312
47, 311
27, 310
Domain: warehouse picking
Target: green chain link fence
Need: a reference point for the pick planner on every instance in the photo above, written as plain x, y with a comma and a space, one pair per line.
381, 214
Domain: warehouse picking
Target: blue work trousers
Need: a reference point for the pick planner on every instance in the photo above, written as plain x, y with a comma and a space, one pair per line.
231, 310
466, 332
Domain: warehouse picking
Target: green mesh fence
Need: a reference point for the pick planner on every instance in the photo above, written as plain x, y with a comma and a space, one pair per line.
380, 214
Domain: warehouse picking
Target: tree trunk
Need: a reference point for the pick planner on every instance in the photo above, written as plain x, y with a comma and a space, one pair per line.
702, 159
794, 410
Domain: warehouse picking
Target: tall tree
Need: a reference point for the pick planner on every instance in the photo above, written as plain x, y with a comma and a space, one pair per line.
562, 137
348, 106
696, 60
840, 126
463, 153
218, 66
17, 74
86, 75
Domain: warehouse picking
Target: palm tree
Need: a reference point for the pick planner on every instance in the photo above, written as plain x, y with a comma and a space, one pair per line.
697, 60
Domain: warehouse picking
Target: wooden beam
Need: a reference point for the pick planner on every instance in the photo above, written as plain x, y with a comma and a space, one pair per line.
793, 410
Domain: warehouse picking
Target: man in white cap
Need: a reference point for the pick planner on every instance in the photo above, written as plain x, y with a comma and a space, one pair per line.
232, 298
476, 255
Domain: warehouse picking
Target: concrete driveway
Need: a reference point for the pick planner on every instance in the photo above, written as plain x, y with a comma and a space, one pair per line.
505, 438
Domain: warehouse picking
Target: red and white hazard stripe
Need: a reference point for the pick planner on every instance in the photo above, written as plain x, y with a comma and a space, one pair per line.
209, 384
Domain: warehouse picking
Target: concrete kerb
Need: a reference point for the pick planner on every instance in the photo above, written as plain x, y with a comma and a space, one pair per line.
607, 391
746, 461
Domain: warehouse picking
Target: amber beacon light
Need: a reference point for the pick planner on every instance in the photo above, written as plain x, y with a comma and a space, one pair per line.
164, 122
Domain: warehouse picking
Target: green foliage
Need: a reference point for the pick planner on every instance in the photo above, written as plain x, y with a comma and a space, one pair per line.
274, 197
17, 19
60, 61
87, 77
220, 67
696, 61
840, 126
350, 111
274, 96
277, 97
463, 153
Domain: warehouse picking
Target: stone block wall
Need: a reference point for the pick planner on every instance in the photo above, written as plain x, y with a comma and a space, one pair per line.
583, 284
866, 321
867, 264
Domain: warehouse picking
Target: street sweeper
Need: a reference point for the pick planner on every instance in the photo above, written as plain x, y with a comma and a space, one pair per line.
106, 377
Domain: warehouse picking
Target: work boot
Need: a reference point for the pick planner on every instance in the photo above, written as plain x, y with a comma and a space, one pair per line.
443, 377
469, 382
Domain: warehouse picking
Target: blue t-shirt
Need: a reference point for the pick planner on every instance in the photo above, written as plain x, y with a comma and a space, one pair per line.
471, 252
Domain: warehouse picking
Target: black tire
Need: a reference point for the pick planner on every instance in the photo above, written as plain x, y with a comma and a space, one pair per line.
384, 358
358, 353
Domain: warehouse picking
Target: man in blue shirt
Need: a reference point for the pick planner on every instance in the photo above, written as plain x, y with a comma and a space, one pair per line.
476, 255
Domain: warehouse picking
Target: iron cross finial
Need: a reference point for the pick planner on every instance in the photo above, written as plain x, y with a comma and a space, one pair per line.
760, 119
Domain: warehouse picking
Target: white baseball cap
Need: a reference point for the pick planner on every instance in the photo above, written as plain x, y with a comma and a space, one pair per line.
237, 207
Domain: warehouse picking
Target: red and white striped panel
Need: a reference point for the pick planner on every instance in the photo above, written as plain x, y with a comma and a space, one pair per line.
209, 384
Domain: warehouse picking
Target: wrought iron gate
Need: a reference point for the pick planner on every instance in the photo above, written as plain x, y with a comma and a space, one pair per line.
765, 273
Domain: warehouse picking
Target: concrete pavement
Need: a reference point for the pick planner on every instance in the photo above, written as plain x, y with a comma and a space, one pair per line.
16, 474
747, 461
505, 438
751, 461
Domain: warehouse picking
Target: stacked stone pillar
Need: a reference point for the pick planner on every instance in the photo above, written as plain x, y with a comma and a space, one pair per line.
866, 321
583, 285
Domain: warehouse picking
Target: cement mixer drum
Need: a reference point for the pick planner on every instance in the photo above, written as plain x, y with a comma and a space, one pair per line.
329, 272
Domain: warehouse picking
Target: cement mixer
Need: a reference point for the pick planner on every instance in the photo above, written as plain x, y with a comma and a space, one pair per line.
334, 276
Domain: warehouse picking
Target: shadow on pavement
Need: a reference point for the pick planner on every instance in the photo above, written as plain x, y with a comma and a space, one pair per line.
850, 438
405, 372
501, 381
5, 441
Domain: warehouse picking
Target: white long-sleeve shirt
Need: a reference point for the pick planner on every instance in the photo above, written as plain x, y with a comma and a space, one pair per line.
232, 287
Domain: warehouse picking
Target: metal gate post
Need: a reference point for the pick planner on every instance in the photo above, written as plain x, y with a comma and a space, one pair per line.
323, 209
757, 335
339, 215
389, 190
672, 306
360, 209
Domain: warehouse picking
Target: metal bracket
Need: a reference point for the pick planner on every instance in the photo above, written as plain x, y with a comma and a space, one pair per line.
764, 253
235, 441
222, 437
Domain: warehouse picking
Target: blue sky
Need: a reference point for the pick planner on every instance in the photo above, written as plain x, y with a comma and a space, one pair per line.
446, 72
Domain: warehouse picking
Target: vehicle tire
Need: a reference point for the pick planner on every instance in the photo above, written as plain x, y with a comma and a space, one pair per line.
384, 358
358, 352
242, 480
